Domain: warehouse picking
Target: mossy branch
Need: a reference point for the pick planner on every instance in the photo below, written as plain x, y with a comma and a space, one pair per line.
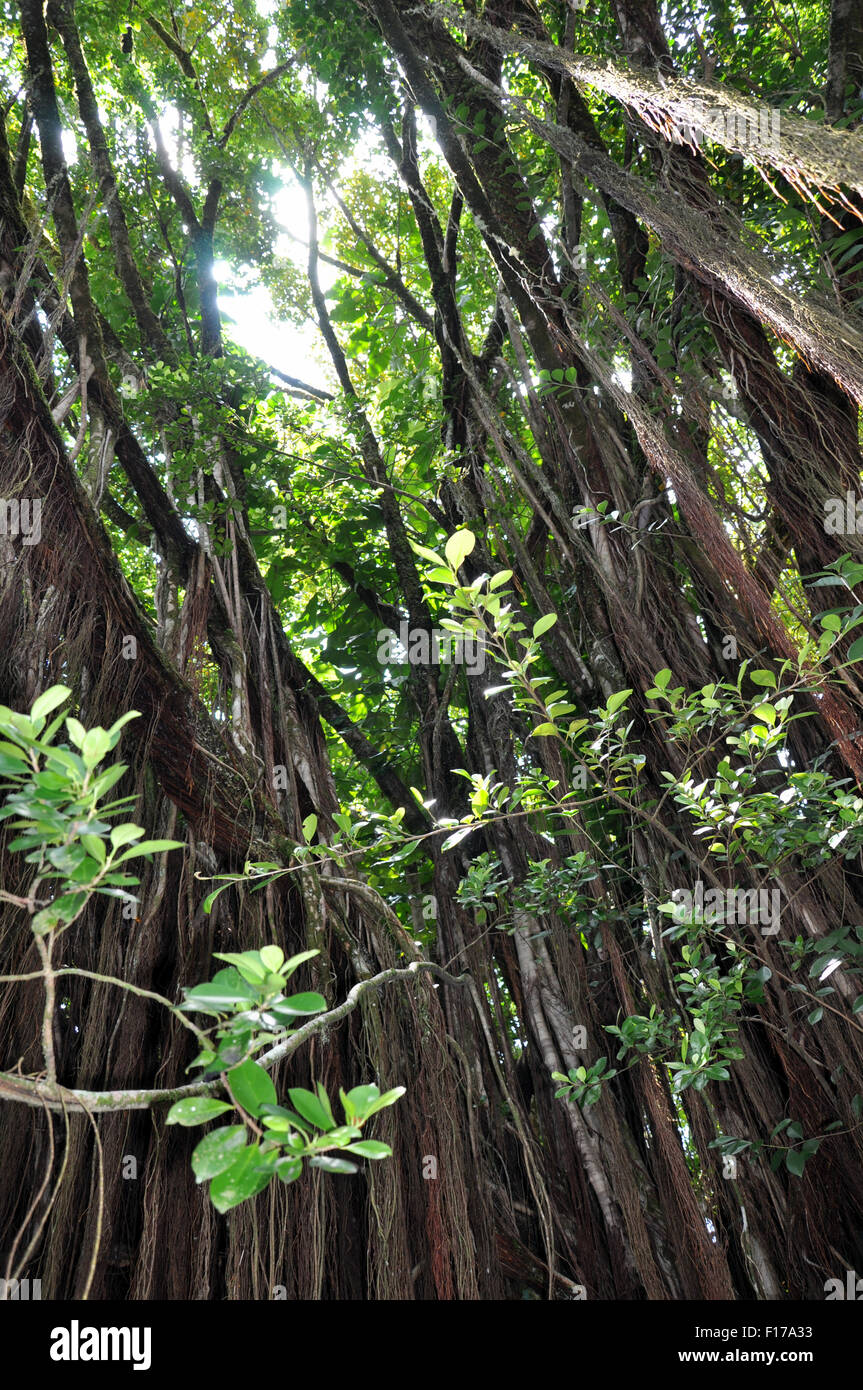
29, 1091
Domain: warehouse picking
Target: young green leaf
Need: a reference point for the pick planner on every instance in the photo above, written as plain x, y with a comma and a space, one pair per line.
544, 623
45, 703
458, 547
309, 1106
272, 956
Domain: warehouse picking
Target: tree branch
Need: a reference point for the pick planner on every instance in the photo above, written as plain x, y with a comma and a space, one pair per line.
237, 114
186, 64
27, 1091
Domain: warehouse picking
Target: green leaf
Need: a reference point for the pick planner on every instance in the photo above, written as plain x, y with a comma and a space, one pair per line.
272, 956
763, 678
765, 712
307, 1104
123, 720
226, 991
77, 732
426, 553
795, 1161
217, 1151
619, 698
62, 909
248, 963
370, 1148
149, 847
457, 836
125, 834
94, 847
298, 1005
48, 701
197, 1110
95, 745
101, 784
289, 1169
325, 1105
343, 1134
294, 962
207, 904
458, 547
544, 623
333, 1165
239, 1182
383, 1102
252, 1087
278, 1112
855, 651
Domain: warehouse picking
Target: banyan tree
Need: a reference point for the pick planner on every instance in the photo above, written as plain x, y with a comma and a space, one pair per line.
330, 331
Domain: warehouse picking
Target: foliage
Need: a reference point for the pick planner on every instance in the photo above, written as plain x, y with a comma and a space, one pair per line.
56, 793
346, 318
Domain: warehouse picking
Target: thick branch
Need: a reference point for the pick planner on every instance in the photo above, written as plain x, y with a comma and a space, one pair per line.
819, 155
